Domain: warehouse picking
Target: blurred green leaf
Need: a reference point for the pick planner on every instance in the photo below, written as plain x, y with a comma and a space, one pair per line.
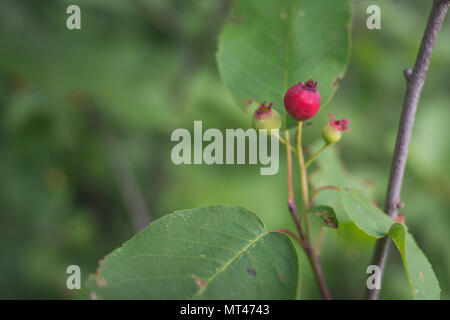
268, 46
220, 252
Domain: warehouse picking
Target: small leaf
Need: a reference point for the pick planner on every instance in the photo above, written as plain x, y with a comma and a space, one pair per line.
268, 46
325, 215
220, 252
364, 214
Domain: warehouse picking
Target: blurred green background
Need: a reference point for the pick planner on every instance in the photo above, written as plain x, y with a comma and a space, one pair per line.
86, 118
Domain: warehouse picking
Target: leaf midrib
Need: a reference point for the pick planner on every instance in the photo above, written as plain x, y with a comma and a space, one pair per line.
227, 264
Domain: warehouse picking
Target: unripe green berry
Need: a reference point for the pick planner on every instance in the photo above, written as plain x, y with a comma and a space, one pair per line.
266, 118
332, 132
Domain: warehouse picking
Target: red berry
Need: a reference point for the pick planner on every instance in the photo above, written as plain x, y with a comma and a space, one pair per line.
302, 101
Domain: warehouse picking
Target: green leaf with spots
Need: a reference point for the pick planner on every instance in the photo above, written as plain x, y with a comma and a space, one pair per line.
421, 277
220, 252
366, 216
325, 215
268, 46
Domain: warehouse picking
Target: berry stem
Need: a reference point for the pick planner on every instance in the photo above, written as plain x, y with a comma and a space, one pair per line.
279, 138
289, 166
303, 175
293, 235
414, 84
314, 259
314, 156
276, 135
318, 190
320, 238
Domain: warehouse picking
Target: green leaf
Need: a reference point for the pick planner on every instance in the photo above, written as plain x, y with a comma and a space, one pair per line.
220, 252
421, 277
364, 214
268, 46
328, 169
325, 215
375, 223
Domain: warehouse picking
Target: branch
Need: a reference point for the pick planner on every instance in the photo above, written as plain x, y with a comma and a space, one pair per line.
414, 84
126, 182
120, 167
314, 259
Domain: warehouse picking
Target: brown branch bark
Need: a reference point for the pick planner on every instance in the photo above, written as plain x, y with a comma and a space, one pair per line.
414, 83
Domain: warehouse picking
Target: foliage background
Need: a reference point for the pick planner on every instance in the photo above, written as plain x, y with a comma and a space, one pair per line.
70, 101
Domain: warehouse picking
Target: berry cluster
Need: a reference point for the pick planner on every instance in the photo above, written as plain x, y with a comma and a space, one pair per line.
302, 102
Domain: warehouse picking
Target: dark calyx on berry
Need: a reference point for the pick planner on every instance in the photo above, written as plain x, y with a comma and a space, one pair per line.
263, 110
266, 118
309, 85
